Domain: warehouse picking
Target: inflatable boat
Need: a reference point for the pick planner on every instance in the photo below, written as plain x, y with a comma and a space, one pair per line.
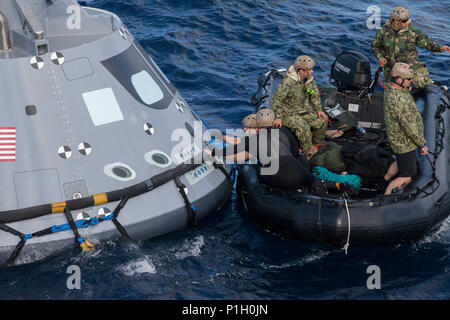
369, 218
85, 136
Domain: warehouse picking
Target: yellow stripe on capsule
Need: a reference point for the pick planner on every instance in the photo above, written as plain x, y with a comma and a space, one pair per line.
100, 198
58, 207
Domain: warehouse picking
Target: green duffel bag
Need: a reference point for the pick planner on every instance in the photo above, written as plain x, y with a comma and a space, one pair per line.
329, 156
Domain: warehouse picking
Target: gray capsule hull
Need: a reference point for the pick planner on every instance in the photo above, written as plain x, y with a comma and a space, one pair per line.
86, 112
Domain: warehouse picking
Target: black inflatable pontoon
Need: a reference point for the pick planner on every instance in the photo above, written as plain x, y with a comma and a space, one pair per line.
367, 219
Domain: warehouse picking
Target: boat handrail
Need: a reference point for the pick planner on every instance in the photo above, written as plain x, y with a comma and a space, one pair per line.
5, 42
30, 19
115, 16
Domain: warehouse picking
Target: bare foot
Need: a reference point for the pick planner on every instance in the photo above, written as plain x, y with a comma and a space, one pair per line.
333, 134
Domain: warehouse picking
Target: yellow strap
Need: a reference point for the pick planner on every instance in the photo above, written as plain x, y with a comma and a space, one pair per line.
87, 246
58, 207
100, 198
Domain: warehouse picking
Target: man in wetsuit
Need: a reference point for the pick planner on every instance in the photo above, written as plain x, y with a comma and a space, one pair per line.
293, 172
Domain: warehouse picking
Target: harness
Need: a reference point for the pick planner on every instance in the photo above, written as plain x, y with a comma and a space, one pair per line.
121, 195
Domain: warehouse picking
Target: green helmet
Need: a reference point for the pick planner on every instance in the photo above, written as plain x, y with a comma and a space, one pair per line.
401, 13
304, 62
250, 121
402, 70
265, 118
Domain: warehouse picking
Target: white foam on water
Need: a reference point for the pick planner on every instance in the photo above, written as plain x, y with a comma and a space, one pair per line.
440, 235
140, 266
191, 248
299, 262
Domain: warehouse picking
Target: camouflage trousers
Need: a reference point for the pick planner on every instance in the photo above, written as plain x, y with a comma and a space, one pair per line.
421, 77
309, 129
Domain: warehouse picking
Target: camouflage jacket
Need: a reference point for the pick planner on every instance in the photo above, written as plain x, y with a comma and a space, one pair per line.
401, 47
404, 125
296, 97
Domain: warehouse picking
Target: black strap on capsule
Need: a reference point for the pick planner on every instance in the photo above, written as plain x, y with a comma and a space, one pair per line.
84, 244
19, 246
221, 167
115, 214
191, 210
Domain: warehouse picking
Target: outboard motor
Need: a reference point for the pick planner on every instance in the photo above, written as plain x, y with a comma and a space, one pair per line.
350, 72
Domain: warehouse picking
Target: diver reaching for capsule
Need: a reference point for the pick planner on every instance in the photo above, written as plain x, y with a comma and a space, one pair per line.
293, 167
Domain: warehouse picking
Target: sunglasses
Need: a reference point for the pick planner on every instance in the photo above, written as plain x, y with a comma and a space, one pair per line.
398, 21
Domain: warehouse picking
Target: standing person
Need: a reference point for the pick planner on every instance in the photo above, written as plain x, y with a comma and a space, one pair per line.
296, 104
404, 126
397, 42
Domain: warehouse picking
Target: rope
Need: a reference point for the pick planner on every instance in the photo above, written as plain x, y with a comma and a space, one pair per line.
123, 195
378, 72
84, 244
345, 247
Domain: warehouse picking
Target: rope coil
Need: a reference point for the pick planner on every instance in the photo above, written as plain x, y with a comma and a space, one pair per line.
347, 244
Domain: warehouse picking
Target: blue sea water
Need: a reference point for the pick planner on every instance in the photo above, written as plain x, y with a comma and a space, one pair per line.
213, 51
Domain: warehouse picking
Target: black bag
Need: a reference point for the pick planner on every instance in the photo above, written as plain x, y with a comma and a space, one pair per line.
369, 161
340, 118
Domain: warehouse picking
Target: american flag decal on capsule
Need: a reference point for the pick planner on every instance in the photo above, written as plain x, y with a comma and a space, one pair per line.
7, 144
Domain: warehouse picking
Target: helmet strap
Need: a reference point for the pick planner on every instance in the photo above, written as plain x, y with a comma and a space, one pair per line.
400, 84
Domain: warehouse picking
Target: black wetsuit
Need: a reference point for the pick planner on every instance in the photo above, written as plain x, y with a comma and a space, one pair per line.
293, 171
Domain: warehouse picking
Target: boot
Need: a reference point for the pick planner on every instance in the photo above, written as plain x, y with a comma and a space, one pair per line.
318, 187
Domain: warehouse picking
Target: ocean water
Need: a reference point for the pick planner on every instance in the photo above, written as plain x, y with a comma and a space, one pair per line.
213, 51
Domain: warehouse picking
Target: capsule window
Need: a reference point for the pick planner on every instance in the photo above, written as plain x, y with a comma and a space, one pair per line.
122, 172
158, 158
139, 78
147, 89
119, 171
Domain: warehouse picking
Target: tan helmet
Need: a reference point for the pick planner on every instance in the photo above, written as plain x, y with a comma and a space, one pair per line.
402, 70
401, 13
250, 121
304, 62
265, 118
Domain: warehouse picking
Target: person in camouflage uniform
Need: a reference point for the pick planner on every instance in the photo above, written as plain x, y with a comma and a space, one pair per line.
397, 41
404, 126
297, 105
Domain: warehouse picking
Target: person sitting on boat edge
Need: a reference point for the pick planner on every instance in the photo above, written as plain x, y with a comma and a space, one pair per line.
296, 104
293, 168
396, 41
404, 127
